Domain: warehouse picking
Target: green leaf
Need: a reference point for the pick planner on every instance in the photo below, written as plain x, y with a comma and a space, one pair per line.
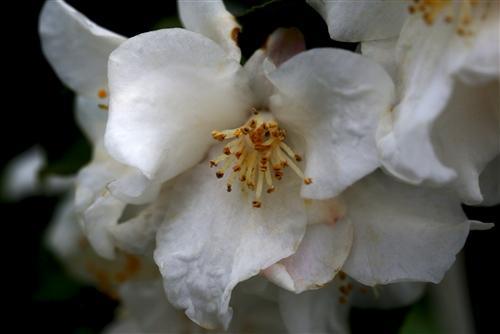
420, 320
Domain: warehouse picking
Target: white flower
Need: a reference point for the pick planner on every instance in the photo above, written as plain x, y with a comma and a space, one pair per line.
445, 126
262, 308
170, 89
21, 177
78, 51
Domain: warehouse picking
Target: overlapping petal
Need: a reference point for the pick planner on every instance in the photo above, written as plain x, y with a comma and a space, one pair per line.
466, 136
321, 253
332, 99
402, 232
204, 253
437, 98
280, 46
211, 19
169, 89
103, 190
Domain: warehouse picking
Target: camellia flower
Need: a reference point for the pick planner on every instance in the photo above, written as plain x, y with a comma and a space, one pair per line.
445, 126
290, 197
136, 283
78, 51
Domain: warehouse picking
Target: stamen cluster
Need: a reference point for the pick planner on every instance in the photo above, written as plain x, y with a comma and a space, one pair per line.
257, 155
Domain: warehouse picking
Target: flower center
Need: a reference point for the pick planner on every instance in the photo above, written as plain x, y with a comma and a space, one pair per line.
461, 12
257, 154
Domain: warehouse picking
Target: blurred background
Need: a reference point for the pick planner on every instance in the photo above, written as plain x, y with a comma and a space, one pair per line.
39, 111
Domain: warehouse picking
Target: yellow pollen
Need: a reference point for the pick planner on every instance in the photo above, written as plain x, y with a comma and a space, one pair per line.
461, 13
102, 94
256, 153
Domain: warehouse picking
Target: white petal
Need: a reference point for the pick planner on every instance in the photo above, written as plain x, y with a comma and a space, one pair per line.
101, 209
402, 232
212, 239
466, 136
77, 48
476, 225
489, 181
481, 64
333, 99
211, 19
431, 59
359, 21
132, 187
93, 179
98, 218
258, 82
321, 253
137, 235
383, 52
314, 312
169, 89
90, 118
21, 174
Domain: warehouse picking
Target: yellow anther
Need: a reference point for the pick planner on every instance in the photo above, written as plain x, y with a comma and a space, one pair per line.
102, 94
257, 148
461, 13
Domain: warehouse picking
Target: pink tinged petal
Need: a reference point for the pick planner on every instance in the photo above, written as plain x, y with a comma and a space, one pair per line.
402, 232
169, 89
281, 45
466, 136
211, 19
359, 21
333, 100
212, 239
321, 253
77, 48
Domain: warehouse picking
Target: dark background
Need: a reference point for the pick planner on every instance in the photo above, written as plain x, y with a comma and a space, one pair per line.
38, 109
